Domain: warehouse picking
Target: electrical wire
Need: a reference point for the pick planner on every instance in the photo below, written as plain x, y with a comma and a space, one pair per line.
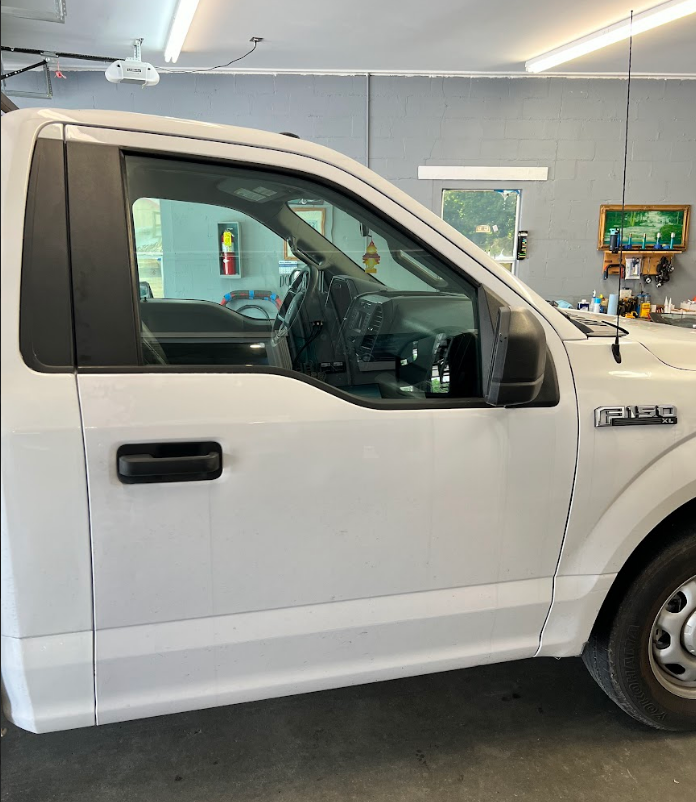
241, 309
210, 69
312, 337
615, 348
81, 56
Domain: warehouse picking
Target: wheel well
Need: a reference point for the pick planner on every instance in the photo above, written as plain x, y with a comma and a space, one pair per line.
672, 528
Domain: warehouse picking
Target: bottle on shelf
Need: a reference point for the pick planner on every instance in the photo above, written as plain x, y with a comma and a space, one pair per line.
614, 242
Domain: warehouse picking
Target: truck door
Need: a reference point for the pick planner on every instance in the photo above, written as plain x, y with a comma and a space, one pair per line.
306, 489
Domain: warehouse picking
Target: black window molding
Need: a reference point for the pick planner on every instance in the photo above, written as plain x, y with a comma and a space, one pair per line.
45, 310
104, 288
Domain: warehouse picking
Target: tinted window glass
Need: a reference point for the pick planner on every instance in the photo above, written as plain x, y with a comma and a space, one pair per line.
248, 267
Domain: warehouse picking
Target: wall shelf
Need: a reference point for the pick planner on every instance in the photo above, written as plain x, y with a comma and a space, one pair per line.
636, 252
650, 260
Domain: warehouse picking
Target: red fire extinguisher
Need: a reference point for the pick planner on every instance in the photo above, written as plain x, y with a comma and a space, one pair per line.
229, 261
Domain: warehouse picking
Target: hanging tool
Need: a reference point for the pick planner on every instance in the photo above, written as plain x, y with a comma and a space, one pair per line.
664, 268
615, 266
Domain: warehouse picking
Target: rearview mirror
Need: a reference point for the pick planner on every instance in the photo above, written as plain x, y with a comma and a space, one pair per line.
518, 359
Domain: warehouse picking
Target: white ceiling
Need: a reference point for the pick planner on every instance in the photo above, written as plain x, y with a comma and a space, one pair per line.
393, 36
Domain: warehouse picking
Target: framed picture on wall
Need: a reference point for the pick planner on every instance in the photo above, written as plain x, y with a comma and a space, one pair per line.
228, 250
314, 216
663, 223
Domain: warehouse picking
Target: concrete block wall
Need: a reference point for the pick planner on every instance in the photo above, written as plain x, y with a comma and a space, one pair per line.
573, 126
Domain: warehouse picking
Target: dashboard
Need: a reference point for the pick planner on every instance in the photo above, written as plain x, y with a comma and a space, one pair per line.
407, 342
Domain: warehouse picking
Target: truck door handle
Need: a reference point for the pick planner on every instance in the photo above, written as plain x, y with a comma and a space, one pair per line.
168, 462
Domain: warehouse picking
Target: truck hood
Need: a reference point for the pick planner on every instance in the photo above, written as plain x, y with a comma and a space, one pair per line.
670, 344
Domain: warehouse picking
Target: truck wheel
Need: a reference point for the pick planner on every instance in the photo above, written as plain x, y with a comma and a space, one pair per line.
642, 653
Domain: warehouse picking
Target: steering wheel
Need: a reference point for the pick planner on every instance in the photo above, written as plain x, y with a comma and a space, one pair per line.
292, 303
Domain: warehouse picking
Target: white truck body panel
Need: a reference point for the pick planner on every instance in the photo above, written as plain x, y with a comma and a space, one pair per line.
625, 485
47, 626
371, 590
207, 594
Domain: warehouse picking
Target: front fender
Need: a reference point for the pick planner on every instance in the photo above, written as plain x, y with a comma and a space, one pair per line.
586, 576
578, 596
661, 488
628, 480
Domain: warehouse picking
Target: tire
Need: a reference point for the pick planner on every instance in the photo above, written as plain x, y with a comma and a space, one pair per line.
623, 653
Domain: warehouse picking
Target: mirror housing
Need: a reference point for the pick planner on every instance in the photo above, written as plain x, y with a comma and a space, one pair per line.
518, 360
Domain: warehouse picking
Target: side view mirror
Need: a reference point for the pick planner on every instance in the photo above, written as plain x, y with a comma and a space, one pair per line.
518, 359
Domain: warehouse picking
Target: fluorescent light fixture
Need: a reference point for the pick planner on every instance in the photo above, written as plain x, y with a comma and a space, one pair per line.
183, 16
645, 21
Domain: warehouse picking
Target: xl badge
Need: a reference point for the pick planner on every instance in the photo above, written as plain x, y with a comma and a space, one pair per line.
645, 415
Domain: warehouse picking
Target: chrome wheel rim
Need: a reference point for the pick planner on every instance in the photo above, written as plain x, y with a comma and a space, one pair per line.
673, 642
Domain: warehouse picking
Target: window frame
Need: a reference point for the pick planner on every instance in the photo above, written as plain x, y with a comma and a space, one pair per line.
117, 236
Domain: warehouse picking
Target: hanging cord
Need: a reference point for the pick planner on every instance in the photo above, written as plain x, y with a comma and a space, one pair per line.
318, 326
615, 348
255, 40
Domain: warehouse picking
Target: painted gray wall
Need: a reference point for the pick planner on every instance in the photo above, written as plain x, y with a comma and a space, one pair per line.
573, 126
190, 252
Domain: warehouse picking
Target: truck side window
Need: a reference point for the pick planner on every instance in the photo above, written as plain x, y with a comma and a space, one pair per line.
247, 267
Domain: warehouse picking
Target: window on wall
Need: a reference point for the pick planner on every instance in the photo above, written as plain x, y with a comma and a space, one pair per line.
488, 217
264, 269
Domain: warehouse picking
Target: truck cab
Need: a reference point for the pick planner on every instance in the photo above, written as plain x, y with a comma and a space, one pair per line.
269, 426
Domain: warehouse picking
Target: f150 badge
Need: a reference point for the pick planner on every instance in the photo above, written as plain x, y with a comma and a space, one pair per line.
642, 415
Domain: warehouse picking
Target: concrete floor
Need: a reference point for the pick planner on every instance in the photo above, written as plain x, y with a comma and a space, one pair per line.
534, 730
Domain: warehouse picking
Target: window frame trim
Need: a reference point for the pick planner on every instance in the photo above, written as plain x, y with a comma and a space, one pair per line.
106, 323
48, 161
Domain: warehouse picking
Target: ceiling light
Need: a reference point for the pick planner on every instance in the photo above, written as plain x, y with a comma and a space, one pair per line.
183, 16
645, 21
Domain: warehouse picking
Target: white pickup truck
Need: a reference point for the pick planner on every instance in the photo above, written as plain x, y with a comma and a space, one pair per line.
269, 426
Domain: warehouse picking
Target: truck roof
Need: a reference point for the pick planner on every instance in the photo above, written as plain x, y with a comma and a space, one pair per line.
193, 129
